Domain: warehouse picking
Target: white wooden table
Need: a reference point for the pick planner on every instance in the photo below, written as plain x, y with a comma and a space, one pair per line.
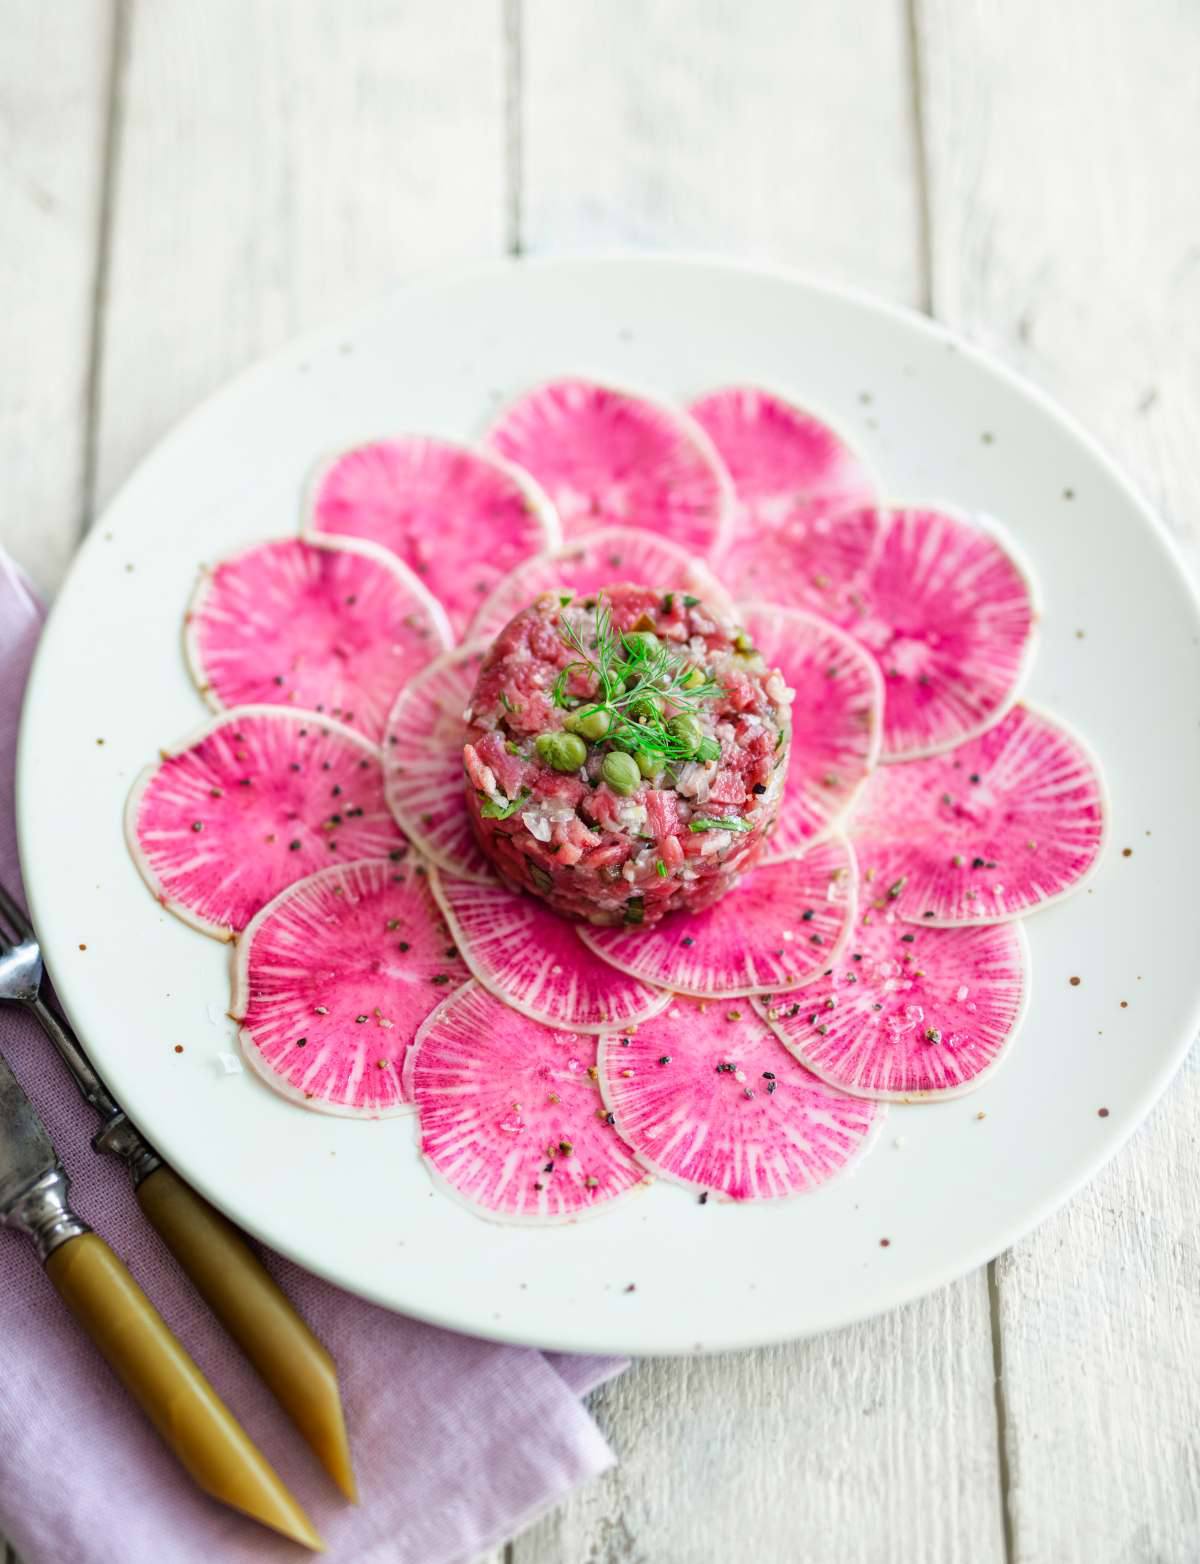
183, 186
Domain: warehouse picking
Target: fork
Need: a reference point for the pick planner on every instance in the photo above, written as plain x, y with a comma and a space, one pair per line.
224, 1270
21, 973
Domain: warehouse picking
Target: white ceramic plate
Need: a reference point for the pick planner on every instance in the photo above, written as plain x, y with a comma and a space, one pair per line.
946, 1185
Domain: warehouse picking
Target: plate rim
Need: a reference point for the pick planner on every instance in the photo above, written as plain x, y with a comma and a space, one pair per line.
436, 280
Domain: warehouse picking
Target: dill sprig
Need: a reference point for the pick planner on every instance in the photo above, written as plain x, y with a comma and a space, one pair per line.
635, 677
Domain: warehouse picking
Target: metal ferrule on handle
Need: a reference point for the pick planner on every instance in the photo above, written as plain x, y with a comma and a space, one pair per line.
43, 1212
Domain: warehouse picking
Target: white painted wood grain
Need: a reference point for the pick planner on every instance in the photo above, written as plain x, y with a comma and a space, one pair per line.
54, 73
874, 1444
280, 162
745, 127
1062, 144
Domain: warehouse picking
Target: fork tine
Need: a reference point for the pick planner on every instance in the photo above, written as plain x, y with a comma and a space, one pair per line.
18, 924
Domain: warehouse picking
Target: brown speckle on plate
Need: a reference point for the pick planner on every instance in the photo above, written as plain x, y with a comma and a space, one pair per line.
83, 947
178, 1048
1075, 982
1127, 852
885, 1243
1102, 1113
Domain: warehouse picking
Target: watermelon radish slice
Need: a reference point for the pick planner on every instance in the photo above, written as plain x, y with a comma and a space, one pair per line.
706, 1097
779, 927
585, 565
836, 719
422, 762
611, 458
909, 1013
530, 958
791, 474
1002, 825
459, 518
511, 1116
257, 799
948, 612
332, 627
334, 978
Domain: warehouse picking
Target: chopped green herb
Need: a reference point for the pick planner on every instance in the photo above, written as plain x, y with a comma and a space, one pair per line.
705, 823
635, 677
635, 910
490, 810
662, 869
690, 601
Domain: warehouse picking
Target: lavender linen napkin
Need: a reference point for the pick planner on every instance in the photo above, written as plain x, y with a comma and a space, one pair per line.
457, 1443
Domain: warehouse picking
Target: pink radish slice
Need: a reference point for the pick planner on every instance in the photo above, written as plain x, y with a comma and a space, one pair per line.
610, 458
779, 927
511, 1115
949, 614
530, 958
257, 799
460, 519
422, 762
585, 565
836, 719
332, 627
791, 474
1004, 824
334, 978
706, 1097
909, 1012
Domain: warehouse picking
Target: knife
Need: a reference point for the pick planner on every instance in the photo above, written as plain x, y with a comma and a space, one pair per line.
146, 1356
231, 1279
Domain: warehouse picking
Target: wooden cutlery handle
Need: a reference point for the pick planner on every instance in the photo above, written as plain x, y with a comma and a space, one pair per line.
233, 1282
155, 1368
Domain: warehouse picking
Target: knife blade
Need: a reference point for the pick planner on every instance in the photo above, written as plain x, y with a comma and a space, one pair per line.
146, 1356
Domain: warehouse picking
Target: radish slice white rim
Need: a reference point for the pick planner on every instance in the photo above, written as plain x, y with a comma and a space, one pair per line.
327, 624
529, 957
778, 928
608, 556
591, 490
836, 724
423, 767
510, 1114
334, 977
792, 470
707, 1097
1012, 821
427, 501
951, 669
910, 1014
257, 798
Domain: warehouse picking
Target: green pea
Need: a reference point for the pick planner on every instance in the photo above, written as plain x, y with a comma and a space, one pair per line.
591, 724
620, 771
742, 643
649, 763
687, 730
640, 644
692, 678
562, 751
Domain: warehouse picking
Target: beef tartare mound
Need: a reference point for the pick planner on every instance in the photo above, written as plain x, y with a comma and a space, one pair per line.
626, 753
